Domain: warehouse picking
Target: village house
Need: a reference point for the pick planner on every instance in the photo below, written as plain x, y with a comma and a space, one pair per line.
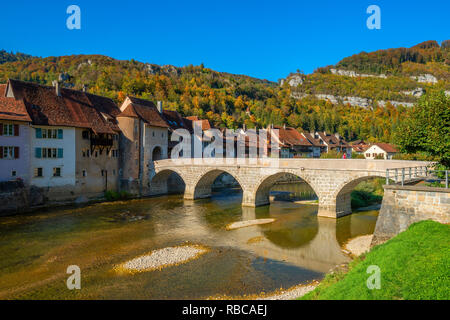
318, 147
293, 144
73, 140
14, 139
359, 146
144, 139
334, 142
380, 150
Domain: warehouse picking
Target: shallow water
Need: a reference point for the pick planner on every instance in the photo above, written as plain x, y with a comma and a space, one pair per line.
36, 249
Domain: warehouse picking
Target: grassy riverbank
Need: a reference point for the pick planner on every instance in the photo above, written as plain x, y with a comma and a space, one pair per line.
413, 265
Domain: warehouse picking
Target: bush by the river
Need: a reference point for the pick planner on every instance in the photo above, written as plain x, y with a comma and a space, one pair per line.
367, 193
114, 195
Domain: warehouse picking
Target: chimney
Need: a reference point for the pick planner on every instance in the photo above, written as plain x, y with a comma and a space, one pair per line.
159, 105
244, 127
57, 87
84, 88
284, 126
337, 136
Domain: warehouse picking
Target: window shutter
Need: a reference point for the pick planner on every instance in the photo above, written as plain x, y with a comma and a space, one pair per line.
16, 130
60, 133
1, 129
60, 153
1, 152
38, 152
16, 152
38, 133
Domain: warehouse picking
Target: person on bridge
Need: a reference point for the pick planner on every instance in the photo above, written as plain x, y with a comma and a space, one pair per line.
344, 156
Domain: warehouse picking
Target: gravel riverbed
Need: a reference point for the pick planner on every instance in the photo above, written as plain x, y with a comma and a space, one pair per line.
161, 258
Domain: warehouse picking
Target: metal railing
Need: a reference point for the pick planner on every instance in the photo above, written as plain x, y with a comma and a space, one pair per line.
402, 175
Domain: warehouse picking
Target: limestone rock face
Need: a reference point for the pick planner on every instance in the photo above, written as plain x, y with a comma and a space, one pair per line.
295, 80
353, 74
418, 92
425, 78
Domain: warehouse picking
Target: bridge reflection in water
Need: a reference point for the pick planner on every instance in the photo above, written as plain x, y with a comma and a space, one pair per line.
298, 236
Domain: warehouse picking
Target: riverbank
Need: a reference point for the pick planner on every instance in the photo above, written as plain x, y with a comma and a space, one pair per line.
413, 265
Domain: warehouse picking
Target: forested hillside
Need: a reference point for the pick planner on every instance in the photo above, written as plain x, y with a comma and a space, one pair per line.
231, 100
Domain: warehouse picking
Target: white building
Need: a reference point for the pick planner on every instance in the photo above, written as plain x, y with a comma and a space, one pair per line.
378, 150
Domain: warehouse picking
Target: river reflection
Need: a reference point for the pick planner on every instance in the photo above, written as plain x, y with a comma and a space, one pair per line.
36, 249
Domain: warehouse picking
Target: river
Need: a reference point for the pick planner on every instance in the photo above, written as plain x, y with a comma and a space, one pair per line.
36, 249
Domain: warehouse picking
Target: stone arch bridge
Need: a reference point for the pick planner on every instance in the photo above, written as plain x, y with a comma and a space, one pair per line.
331, 179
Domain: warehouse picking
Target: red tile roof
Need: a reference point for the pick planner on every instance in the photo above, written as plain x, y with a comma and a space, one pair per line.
12, 109
71, 108
189, 122
175, 120
291, 137
146, 110
332, 140
312, 140
389, 148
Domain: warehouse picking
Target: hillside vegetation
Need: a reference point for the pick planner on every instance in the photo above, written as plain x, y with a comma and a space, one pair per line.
229, 100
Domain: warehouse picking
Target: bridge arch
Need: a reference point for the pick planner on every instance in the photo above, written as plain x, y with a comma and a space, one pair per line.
342, 193
260, 194
201, 186
167, 181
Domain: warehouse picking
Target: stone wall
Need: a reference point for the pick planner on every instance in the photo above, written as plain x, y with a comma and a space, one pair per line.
15, 197
405, 205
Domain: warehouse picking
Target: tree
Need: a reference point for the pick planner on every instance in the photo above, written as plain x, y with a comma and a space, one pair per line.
426, 128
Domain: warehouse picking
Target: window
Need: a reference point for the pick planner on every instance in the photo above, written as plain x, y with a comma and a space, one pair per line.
84, 173
49, 133
96, 154
38, 172
51, 153
13, 173
9, 153
114, 172
153, 133
9, 129
84, 153
85, 134
57, 172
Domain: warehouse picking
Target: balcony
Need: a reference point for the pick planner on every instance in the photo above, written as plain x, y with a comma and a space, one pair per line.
101, 142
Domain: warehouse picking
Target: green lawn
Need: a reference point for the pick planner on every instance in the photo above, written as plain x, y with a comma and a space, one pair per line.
414, 265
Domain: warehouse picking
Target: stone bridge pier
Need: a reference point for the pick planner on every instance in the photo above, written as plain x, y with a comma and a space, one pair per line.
331, 179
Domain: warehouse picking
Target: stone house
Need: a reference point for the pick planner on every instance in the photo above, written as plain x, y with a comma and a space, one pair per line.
385, 150
73, 140
144, 139
14, 139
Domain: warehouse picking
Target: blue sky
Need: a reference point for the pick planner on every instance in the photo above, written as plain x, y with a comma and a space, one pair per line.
264, 39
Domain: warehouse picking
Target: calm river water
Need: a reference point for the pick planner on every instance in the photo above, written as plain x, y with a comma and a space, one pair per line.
36, 249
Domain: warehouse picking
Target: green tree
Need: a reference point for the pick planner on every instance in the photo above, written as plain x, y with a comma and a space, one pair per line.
426, 128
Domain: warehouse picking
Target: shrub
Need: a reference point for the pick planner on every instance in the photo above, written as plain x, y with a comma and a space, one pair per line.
114, 196
357, 156
332, 155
